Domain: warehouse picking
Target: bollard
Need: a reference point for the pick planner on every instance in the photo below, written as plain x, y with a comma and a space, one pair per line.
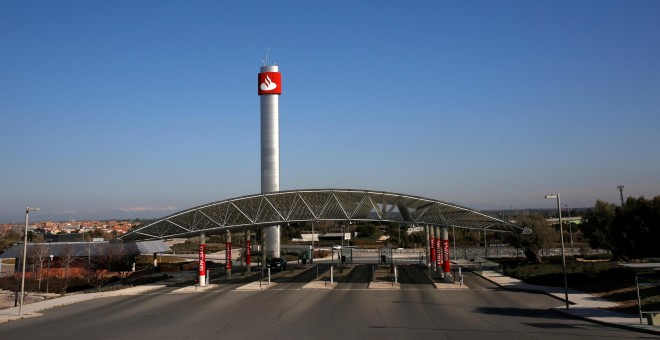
269, 276
460, 274
332, 279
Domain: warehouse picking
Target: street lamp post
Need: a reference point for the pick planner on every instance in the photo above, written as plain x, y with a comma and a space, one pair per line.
561, 234
27, 212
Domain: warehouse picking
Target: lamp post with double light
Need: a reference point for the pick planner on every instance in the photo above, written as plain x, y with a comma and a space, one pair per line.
27, 212
561, 234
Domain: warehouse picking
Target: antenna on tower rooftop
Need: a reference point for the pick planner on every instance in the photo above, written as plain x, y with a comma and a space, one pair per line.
620, 187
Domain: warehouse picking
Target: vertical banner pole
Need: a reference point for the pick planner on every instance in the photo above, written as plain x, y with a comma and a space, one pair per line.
202, 260
446, 265
228, 254
248, 253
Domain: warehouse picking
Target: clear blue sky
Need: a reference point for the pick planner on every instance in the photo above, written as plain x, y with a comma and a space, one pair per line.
144, 108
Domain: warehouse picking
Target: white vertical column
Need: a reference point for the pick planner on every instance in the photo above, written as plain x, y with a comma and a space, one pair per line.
270, 155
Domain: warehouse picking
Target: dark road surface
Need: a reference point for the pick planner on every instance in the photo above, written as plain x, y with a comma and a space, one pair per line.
350, 311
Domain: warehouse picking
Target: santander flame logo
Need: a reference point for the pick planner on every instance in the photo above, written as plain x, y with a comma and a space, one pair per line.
270, 83
267, 85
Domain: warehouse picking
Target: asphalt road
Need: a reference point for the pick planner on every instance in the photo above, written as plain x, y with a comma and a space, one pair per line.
287, 312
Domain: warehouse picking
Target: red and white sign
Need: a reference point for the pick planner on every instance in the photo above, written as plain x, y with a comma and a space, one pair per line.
228, 253
432, 249
270, 83
446, 265
202, 260
438, 253
248, 253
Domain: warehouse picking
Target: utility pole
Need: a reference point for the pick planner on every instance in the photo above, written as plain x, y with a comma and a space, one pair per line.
620, 187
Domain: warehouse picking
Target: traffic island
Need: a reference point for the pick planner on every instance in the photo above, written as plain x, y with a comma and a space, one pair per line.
384, 278
257, 285
194, 289
320, 284
325, 281
442, 285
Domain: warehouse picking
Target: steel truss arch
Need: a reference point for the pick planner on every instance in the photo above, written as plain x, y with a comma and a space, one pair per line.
309, 205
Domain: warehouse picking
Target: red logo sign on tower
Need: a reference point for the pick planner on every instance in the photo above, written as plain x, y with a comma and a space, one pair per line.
270, 83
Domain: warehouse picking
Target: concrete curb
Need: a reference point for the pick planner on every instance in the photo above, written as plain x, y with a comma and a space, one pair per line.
639, 328
636, 328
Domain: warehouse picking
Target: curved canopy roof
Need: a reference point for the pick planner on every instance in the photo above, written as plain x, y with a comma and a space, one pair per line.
311, 205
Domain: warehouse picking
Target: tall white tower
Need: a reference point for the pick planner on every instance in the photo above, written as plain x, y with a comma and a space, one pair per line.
270, 88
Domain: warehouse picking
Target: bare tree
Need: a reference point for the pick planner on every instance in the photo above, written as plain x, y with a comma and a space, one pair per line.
91, 248
39, 254
100, 267
67, 257
111, 261
121, 264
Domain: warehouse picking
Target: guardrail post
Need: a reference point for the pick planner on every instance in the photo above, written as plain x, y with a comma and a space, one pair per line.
639, 300
460, 274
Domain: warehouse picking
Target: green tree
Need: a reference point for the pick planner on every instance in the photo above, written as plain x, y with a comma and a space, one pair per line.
366, 231
291, 232
418, 238
637, 227
597, 226
8, 239
543, 236
95, 233
629, 231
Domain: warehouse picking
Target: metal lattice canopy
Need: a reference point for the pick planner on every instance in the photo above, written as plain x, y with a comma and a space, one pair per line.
311, 205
